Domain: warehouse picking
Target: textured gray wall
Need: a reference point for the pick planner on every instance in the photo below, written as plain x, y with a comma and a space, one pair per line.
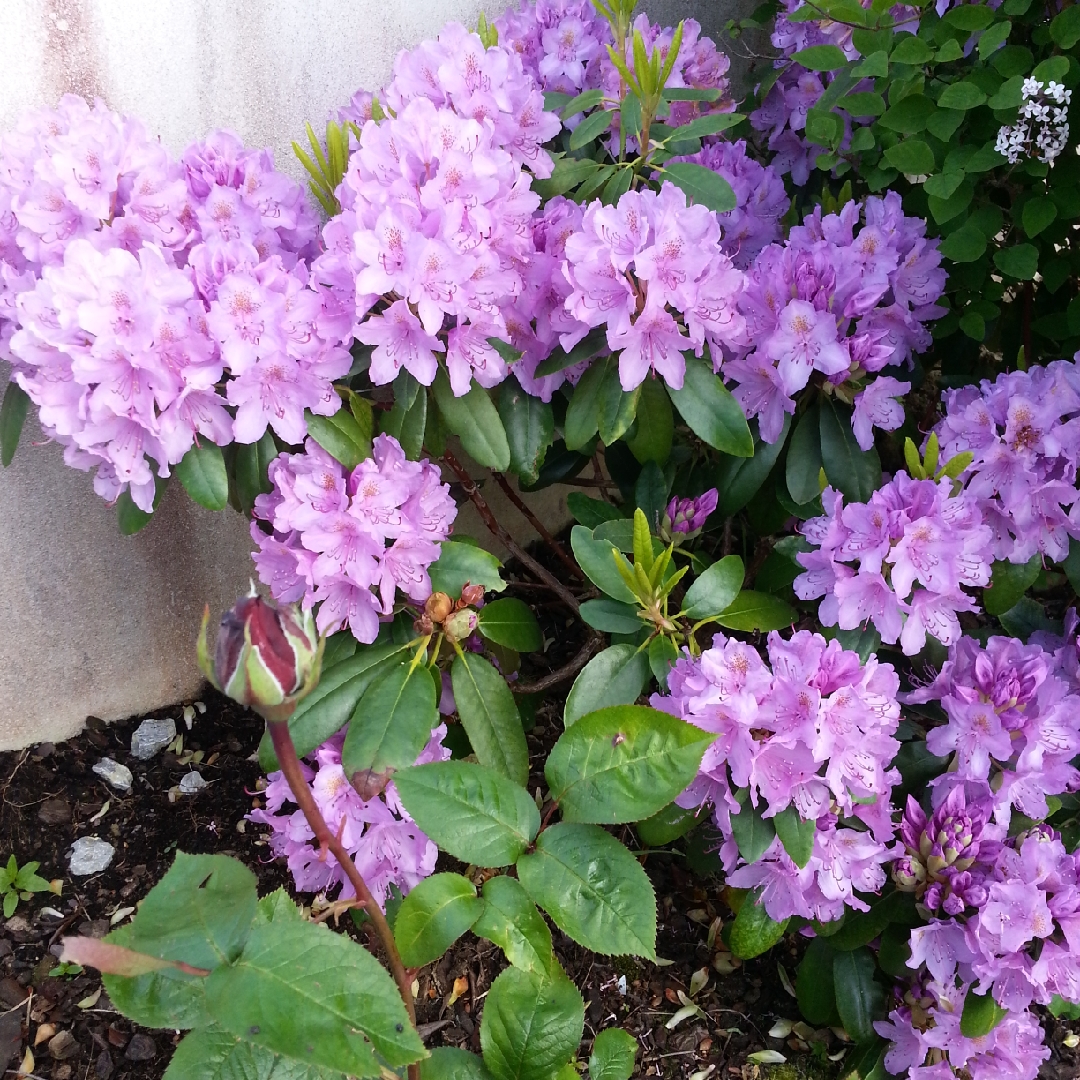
92, 623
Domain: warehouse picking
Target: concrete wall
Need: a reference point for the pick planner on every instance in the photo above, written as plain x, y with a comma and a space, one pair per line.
92, 623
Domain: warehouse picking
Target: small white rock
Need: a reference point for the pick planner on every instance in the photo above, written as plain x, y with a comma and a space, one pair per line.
114, 774
191, 782
152, 735
89, 855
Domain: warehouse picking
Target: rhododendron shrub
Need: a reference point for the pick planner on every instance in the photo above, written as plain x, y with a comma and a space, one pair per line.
802, 361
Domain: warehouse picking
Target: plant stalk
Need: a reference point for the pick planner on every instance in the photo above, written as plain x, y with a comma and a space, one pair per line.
290, 767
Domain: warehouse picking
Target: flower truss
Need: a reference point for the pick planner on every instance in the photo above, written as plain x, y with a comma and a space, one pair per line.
1042, 130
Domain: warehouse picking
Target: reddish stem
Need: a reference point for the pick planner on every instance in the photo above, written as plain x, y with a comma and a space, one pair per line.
290, 768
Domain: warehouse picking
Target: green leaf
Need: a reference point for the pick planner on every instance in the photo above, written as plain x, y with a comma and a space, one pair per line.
942, 185
662, 655
796, 835
583, 412
531, 1025
862, 104
390, 727
623, 764
329, 706
1019, 262
129, 517
912, 157
981, 1015
961, 95
12, 418
875, 65
803, 466
434, 914
593, 888
753, 932
474, 813
567, 174
614, 677
613, 1054
738, 480
1039, 213
650, 437
715, 590
860, 1000
702, 186
757, 611
461, 564
856, 472
340, 436
1009, 95
909, 115
992, 39
250, 469
530, 429
665, 825
710, 411
586, 349
591, 512
592, 127
611, 616
582, 103
650, 495
211, 1053
490, 717
709, 124
450, 1063
968, 17
1025, 617
821, 58
475, 421
965, 245
911, 50
1009, 583
944, 122
407, 420
510, 622
616, 408
814, 989
313, 995
511, 921
1065, 28
596, 558
753, 833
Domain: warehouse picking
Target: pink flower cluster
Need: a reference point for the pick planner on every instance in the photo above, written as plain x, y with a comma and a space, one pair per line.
1024, 432
640, 265
1013, 723
761, 200
899, 561
132, 285
348, 541
812, 730
837, 302
424, 258
378, 833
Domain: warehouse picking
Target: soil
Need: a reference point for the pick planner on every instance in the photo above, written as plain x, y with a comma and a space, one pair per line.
49, 797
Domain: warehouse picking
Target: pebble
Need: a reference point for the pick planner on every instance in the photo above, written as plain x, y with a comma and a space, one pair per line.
152, 735
114, 774
191, 782
55, 811
103, 1067
141, 1048
63, 1045
89, 855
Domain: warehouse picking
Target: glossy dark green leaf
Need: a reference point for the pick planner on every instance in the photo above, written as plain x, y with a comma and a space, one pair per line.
434, 914
757, 611
662, 655
803, 465
617, 408
129, 517
510, 622
1020, 261
615, 676
911, 156
591, 512
738, 480
650, 494
715, 590
596, 558
613, 1055
530, 429
821, 58
860, 1000
701, 185
753, 833
710, 411
592, 127
611, 616
909, 115
460, 564
753, 932
965, 245
490, 717
474, 419
250, 469
1065, 27
911, 50
212, 1053
1039, 214
340, 436
795, 834
651, 436
300, 990
814, 988
474, 813
623, 764
593, 888
1009, 583
13, 414
450, 1063
666, 825
531, 1025
583, 412
407, 421
329, 706
962, 95
854, 471
390, 726
593, 342
511, 921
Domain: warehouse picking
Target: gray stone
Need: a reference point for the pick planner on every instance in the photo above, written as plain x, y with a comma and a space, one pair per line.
152, 735
114, 774
89, 855
191, 782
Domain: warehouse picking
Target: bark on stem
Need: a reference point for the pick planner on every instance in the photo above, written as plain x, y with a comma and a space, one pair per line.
538, 525
290, 767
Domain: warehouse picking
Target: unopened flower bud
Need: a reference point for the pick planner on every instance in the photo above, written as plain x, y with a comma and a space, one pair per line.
460, 625
908, 873
423, 625
437, 606
471, 595
264, 656
684, 518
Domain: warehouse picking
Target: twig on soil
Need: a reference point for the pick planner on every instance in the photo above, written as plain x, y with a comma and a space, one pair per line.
538, 525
